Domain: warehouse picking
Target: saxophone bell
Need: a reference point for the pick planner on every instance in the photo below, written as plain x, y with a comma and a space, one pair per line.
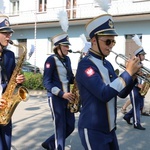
23, 93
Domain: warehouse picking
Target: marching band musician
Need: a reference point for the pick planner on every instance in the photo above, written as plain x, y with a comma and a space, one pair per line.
137, 100
57, 79
99, 87
7, 65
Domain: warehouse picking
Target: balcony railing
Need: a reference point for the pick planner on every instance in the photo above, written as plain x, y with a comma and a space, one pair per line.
80, 12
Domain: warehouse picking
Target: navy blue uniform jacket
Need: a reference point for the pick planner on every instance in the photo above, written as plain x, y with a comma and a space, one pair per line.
57, 77
9, 65
99, 87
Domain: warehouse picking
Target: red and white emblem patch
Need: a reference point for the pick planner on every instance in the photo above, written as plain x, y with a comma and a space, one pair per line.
48, 65
89, 71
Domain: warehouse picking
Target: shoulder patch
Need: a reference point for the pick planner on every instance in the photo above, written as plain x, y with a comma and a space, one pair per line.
89, 72
47, 65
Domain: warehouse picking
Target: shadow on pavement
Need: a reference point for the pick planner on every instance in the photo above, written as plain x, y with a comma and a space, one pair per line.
32, 124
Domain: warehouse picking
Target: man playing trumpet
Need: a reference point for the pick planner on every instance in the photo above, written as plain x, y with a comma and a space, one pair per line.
99, 87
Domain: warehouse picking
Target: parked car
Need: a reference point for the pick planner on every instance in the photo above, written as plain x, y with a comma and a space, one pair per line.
27, 67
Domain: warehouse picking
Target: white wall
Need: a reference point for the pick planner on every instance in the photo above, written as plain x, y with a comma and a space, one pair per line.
76, 45
42, 46
146, 47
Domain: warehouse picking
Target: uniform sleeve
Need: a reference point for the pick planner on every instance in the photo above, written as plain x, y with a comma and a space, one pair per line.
49, 67
9, 66
129, 85
90, 78
48, 82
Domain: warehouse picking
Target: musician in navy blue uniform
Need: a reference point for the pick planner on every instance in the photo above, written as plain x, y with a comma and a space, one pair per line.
57, 78
7, 65
137, 100
99, 87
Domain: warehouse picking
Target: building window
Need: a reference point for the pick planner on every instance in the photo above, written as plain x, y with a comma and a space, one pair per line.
15, 7
71, 8
42, 5
131, 46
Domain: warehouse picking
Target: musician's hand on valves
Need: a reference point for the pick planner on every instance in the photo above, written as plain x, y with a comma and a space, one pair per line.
69, 96
133, 65
20, 78
2, 103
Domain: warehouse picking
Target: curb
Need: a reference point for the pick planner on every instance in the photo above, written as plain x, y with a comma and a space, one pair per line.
37, 92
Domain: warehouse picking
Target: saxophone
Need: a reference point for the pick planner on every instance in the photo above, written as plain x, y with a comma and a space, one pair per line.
12, 96
74, 106
145, 88
146, 85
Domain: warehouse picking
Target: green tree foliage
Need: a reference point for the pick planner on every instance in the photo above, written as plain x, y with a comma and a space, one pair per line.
33, 81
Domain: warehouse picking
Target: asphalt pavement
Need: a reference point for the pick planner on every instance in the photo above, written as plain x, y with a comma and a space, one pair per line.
32, 124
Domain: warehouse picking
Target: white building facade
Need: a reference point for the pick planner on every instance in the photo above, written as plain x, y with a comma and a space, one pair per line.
36, 21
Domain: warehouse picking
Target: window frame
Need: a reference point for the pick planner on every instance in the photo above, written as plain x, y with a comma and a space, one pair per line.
15, 6
42, 5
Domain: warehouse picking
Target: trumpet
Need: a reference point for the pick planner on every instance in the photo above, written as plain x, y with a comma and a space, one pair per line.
145, 71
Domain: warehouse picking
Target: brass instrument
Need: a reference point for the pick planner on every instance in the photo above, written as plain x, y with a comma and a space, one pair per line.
10, 95
75, 105
145, 87
143, 69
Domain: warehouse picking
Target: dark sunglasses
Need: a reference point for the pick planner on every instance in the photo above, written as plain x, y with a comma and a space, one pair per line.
7, 33
109, 42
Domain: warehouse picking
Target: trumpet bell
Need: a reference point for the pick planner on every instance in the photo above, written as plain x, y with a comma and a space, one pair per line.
145, 71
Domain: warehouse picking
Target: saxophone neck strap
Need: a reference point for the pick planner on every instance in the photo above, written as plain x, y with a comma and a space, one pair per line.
63, 62
3, 69
65, 65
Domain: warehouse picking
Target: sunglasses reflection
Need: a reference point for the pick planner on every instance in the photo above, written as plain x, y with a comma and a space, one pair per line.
108, 42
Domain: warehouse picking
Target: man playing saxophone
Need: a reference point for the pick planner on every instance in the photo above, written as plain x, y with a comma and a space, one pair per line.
7, 65
57, 78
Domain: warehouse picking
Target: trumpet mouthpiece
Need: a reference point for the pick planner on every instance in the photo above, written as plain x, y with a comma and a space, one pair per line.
11, 42
70, 51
